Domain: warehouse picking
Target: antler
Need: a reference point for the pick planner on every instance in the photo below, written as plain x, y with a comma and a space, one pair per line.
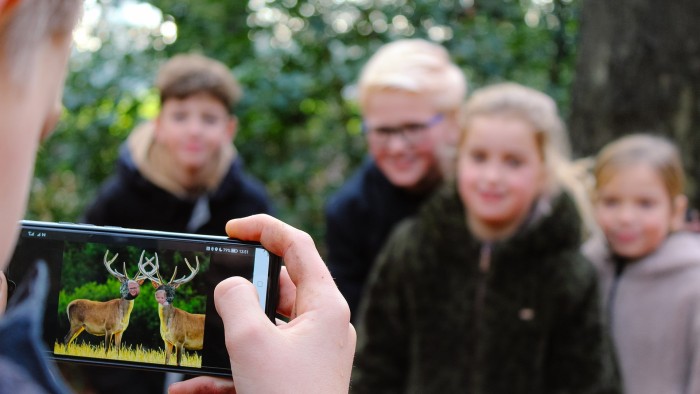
108, 265
193, 271
149, 274
155, 271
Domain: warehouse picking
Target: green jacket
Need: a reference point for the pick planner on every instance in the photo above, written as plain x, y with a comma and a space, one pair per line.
527, 321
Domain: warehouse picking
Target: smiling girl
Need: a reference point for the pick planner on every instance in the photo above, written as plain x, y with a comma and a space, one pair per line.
649, 271
485, 290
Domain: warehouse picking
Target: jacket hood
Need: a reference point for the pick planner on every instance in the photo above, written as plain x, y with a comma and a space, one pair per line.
140, 153
679, 251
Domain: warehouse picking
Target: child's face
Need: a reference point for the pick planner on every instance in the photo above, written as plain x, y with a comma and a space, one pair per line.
407, 158
160, 297
194, 129
634, 210
500, 172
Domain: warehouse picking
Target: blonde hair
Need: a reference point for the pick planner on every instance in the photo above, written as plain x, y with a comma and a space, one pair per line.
657, 152
415, 66
24, 28
188, 74
539, 110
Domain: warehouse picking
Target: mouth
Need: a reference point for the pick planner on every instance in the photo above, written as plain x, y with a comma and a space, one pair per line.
402, 157
624, 238
193, 148
490, 196
402, 163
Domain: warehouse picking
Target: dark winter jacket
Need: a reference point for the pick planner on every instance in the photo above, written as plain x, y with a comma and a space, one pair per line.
359, 218
129, 199
24, 364
445, 313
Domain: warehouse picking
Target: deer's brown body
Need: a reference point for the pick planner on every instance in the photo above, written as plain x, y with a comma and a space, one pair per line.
103, 318
108, 318
180, 329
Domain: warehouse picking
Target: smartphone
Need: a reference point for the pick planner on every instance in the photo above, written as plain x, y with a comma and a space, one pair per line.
139, 298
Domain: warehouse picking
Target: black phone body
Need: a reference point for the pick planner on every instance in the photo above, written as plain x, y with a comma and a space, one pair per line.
92, 293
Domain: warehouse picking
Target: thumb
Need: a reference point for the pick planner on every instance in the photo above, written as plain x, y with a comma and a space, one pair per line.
3, 292
244, 320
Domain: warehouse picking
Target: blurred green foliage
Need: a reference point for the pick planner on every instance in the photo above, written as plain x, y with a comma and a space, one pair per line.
297, 60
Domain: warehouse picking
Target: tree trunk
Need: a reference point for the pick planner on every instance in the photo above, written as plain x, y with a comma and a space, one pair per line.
638, 70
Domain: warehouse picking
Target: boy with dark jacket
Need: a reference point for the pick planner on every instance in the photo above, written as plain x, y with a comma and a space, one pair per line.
180, 172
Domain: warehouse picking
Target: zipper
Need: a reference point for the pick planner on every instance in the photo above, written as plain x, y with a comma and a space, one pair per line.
484, 268
612, 292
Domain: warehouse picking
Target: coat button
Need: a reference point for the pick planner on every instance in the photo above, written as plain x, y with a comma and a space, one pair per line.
526, 314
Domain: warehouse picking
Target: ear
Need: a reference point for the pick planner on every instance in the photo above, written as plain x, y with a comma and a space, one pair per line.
232, 127
680, 205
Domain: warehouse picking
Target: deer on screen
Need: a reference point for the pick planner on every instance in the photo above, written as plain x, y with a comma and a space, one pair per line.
179, 329
106, 318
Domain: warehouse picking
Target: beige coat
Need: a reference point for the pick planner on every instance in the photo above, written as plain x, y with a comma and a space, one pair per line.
654, 308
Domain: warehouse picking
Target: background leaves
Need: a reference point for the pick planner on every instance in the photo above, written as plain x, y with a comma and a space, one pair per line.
298, 61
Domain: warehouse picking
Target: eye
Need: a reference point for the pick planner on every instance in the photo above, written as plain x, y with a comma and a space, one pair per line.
210, 119
415, 127
513, 162
179, 115
609, 202
646, 203
478, 156
384, 130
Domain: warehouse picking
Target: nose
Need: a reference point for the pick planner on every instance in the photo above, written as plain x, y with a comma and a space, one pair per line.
626, 213
491, 172
194, 126
396, 142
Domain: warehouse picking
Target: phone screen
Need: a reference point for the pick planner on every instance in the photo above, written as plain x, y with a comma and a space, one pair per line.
139, 298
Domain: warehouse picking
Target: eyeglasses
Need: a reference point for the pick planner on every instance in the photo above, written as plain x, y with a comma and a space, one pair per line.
412, 133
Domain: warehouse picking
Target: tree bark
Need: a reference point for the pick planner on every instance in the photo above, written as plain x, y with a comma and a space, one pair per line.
638, 70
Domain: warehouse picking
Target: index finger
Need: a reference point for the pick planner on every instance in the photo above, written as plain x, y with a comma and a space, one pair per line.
315, 286
203, 384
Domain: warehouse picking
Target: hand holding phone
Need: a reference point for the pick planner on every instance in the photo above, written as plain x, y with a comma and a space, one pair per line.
313, 352
101, 310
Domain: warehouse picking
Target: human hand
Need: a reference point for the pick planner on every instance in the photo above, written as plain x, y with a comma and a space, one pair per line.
3, 293
310, 354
